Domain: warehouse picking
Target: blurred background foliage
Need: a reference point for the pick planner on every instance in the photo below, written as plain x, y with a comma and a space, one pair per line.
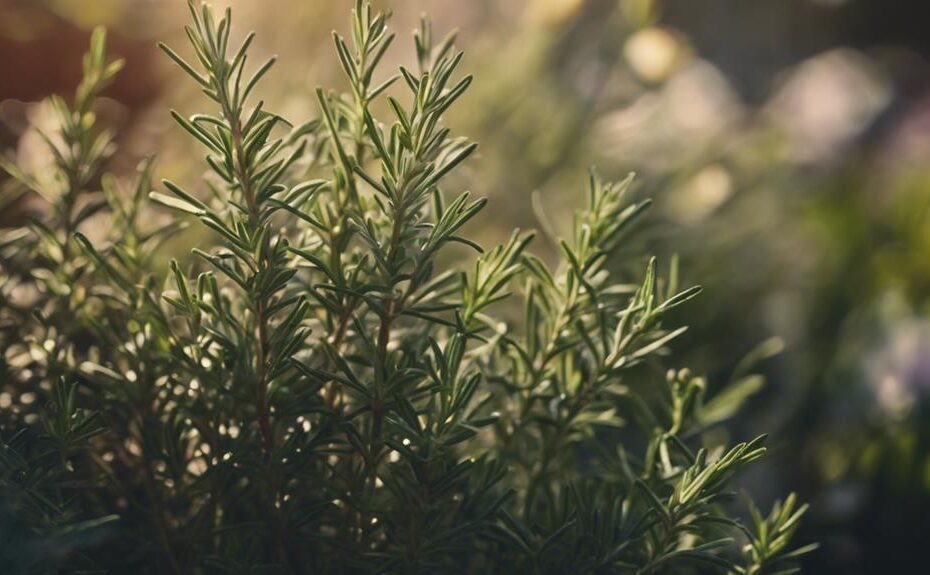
785, 144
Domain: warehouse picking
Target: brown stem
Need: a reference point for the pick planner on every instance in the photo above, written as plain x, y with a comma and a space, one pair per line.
377, 407
264, 420
332, 391
384, 334
261, 319
244, 176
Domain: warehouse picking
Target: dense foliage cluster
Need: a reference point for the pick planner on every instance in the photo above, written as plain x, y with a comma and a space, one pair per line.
323, 391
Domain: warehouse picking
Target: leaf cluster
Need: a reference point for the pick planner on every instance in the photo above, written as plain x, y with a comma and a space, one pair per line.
320, 390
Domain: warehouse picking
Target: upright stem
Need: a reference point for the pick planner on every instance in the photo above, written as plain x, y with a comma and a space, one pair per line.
263, 408
261, 319
377, 408
384, 338
261, 327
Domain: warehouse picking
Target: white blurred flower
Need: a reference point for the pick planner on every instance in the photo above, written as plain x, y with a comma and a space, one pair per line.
899, 370
654, 53
701, 194
662, 127
826, 102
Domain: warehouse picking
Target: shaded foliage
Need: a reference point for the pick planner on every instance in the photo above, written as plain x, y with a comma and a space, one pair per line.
322, 391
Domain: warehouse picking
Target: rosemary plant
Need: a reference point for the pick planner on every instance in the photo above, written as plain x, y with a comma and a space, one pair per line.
321, 391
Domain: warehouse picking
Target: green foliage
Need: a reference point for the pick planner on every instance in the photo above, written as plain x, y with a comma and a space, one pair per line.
322, 391
769, 548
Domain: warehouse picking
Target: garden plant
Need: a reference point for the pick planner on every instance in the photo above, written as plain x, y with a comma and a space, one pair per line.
344, 381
